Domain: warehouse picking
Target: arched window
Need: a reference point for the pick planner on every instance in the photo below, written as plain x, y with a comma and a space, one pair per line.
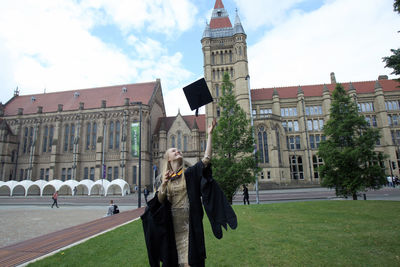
185, 143
230, 56
66, 138
173, 141
45, 136
88, 136
296, 167
117, 134
212, 58
51, 135
25, 139
111, 135
317, 161
71, 142
94, 135
217, 90
179, 141
263, 145
92, 173
30, 138
222, 58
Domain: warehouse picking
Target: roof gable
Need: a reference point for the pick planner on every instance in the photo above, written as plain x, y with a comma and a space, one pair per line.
167, 122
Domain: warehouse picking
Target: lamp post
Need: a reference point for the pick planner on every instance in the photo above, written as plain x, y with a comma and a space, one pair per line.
252, 131
140, 153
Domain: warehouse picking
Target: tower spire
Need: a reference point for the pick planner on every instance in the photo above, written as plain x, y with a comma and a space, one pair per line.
220, 18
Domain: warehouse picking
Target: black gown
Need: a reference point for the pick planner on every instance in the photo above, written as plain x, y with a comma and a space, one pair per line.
202, 190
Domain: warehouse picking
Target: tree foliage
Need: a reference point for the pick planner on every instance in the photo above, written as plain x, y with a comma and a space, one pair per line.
393, 61
233, 161
350, 163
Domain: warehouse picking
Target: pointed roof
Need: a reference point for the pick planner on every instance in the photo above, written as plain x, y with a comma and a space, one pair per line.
238, 24
220, 18
191, 121
218, 4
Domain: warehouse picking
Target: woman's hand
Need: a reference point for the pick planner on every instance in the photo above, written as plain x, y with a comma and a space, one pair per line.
167, 176
212, 126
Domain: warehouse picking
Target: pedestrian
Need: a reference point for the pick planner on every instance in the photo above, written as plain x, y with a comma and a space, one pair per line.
179, 238
389, 181
136, 188
75, 190
112, 209
245, 195
55, 198
145, 193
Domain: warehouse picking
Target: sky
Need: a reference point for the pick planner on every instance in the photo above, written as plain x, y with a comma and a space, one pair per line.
57, 45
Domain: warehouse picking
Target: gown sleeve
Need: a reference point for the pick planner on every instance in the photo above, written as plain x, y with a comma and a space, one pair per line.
216, 205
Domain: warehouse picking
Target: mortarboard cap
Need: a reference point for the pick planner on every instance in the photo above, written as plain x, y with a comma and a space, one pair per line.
197, 94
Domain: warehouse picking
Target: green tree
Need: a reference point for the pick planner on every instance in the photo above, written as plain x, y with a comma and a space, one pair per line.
350, 163
393, 61
233, 144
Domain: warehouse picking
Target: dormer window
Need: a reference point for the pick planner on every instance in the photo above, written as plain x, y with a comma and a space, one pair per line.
33, 99
219, 13
76, 94
124, 90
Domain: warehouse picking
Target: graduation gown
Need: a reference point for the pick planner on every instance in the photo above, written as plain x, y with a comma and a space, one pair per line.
202, 190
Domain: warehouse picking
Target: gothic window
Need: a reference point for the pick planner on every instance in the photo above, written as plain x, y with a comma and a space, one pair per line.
51, 135
41, 174
116, 172
296, 167
185, 143
30, 138
25, 139
111, 135
117, 134
69, 172
71, 142
212, 59
173, 141
47, 174
109, 173
45, 136
88, 136
66, 138
92, 173
231, 73
21, 174
94, 135
222, 58
230, 56
217, 90
218, 112
86, 173
263, 145
317, 161
278, 141
213, 74
63, 174
240, 50
179, 141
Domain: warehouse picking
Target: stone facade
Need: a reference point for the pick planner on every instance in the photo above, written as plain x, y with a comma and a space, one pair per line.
86, 135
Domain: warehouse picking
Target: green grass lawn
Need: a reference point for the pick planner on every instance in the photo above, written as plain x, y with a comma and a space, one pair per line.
315, 233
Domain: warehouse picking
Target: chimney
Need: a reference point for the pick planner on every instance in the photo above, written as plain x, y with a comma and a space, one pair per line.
60, 107
333, 78
382, 77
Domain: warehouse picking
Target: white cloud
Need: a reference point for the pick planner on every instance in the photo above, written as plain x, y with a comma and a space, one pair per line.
167, 16
346, 37
48, 44
259, 13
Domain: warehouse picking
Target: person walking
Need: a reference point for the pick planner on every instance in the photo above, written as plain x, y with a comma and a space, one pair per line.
55, 198
173, 221
245, 195
145, 193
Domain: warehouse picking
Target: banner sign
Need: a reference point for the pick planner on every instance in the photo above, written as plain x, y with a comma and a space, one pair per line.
135, 132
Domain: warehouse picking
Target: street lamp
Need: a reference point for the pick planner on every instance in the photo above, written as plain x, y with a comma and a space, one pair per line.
252, 131
140, 153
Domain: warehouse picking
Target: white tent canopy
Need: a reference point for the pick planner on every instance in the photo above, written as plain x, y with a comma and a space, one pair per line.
84, 187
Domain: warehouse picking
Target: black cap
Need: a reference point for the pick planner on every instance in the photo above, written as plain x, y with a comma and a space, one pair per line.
197, 94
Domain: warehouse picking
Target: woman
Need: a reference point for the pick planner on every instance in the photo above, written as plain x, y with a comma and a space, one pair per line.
181, 196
